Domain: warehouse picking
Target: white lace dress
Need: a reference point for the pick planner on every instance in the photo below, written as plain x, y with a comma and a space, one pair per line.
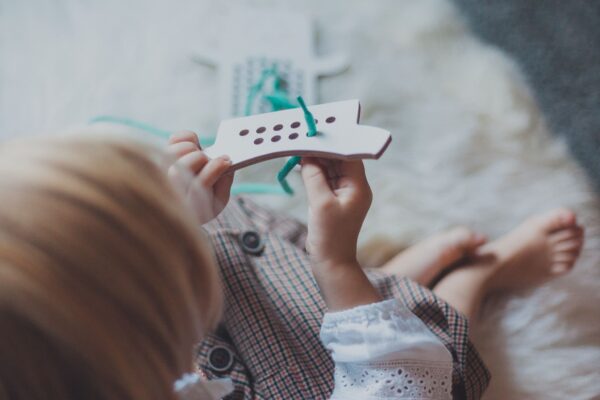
382, 351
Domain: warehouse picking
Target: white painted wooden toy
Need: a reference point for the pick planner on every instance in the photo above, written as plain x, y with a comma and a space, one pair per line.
257, 138
254, 40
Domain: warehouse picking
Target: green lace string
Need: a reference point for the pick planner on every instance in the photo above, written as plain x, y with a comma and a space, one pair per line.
295, 160
132, 123
278, 98
241, 188
310, 120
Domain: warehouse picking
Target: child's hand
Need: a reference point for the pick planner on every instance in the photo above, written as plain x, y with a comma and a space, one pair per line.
339, 197
207, 186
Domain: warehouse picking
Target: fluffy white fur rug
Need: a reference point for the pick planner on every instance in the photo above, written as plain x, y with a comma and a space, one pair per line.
470, 146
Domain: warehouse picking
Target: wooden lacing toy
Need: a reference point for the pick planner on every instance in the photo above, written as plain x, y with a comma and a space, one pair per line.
328, 130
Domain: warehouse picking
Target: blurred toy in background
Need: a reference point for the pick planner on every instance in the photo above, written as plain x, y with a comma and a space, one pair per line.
265, 60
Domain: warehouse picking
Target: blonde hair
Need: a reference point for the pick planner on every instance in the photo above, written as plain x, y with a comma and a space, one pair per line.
105, 283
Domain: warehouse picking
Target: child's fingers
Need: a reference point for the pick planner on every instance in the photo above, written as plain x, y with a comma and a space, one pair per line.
194, 161
352, 173
223, 188
315, 181
213, 170
177, 178
181, 149
353, 184
184, 136
353, 169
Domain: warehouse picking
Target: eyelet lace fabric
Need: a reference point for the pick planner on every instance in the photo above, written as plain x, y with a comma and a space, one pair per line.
382, 351
408, 379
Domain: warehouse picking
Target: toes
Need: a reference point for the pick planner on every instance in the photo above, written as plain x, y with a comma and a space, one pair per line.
478, 239
571, 245
565, 235
555, 220
567, 243
561, 268
465, 239
565, 257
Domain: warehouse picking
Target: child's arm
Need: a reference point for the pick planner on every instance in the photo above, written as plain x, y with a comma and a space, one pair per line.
339, 197
203, 182
380, 348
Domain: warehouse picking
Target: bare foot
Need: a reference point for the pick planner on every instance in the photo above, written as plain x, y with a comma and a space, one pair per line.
542, 248
426, 260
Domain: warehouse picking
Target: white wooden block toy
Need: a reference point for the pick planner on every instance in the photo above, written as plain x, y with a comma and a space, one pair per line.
261, 137
257, 39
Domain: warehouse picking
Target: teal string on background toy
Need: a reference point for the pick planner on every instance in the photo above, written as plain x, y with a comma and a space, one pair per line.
132, 123
277, 97
241, 188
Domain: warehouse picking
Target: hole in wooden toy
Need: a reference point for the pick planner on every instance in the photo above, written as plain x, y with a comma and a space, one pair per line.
261, 129
275, 138
330, 120
316, 121
258, 141
293, 136
278, 127
295, 125
244, 132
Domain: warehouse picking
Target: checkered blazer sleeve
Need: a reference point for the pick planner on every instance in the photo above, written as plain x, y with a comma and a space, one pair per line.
470, 375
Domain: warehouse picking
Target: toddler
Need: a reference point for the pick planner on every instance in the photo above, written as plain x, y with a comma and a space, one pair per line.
269, 333
107, 285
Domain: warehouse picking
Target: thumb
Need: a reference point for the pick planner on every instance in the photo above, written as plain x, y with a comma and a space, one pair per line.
315, 182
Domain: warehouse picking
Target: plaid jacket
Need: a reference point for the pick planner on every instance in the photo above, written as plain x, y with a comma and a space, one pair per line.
268, 343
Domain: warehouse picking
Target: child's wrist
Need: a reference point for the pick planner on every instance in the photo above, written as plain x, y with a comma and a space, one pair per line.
330, 265
343, 284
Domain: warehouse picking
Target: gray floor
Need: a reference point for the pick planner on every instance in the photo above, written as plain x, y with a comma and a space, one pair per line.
557, 43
